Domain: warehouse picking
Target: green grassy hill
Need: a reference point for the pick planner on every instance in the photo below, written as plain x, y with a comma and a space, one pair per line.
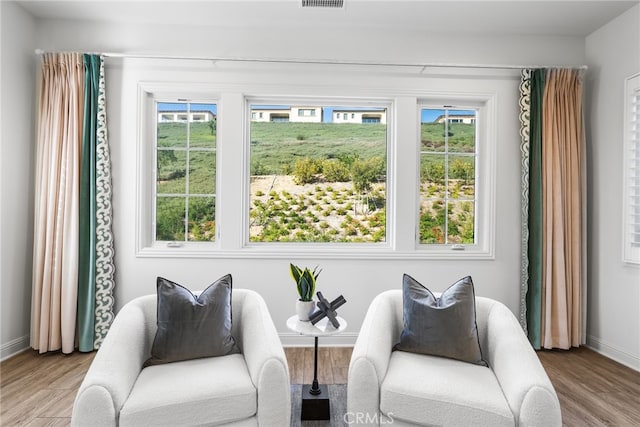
461, 137
276, 146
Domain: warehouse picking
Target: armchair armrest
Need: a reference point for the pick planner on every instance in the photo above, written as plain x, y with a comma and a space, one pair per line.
525, 383
265, 358
115, 368
371, 354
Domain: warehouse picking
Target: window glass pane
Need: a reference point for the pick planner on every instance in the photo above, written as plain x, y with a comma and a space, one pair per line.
461, 182
202, 219
432, 219
432, 133
170, 214
432, 171
203, 126
460, 222
202, 172
172, 133
185, 171
447, 176
172, 172
318, 179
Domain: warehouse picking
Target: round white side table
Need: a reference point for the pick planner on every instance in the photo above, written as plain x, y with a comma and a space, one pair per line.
315, 397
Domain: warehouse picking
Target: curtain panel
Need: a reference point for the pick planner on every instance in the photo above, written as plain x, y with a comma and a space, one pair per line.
553, 213
72, 287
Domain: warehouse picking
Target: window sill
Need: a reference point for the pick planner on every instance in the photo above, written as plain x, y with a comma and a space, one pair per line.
257, 251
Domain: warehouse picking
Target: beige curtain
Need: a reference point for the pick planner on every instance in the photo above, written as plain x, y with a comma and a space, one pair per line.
58, 151
563, 169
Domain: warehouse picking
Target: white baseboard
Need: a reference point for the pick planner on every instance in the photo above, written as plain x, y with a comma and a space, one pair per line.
612, 352
291, 339
14, 347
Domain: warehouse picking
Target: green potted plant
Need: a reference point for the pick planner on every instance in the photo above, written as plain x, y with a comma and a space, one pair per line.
306, 284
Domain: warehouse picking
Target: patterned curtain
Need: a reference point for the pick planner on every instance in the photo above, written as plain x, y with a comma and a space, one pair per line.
95, 281
553, 208
72, 289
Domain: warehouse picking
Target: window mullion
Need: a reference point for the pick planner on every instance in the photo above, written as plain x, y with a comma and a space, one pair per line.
187, 173
446, 176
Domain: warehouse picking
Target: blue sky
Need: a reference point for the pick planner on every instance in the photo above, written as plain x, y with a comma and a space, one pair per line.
181, 106
430, 115
427, 115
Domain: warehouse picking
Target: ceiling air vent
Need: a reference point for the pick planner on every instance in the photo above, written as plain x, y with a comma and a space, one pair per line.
323, 3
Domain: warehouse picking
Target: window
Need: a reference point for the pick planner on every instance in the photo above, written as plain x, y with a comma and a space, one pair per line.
631, 197
447, 210
185, 190
313, 186
306, 112
317, 182
370, 119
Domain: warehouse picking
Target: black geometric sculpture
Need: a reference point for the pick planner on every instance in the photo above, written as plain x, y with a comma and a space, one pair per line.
328, 309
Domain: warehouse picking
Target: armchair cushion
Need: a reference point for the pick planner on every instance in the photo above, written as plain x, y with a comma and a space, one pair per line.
191, 327
430, 390
444, 326
206, 391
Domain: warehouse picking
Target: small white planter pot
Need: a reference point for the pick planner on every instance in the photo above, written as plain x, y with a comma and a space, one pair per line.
304, 309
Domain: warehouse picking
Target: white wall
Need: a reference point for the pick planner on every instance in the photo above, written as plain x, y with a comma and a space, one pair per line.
16, 172
613, 53
358, 280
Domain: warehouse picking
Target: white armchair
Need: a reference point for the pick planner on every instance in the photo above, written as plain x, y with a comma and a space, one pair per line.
386, 386
247, 389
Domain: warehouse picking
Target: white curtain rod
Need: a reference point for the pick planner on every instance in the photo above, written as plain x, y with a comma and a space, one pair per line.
325, 61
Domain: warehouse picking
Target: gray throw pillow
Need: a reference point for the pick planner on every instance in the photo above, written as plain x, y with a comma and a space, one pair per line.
444, 326
191, 327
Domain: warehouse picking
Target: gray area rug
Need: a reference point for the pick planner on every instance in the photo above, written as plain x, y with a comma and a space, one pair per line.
337, 402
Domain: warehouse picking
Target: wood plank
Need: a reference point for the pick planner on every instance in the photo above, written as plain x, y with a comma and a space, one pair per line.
307, 366
325, 369
593, 390
21, 412
340, 375
50, 422
295, 360
341, 356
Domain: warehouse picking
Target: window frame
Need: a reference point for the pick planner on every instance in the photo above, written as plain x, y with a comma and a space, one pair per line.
403, 107
484, 212
149, 95
630, 155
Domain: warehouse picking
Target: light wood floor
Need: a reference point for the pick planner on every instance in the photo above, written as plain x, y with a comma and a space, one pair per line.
38, 390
